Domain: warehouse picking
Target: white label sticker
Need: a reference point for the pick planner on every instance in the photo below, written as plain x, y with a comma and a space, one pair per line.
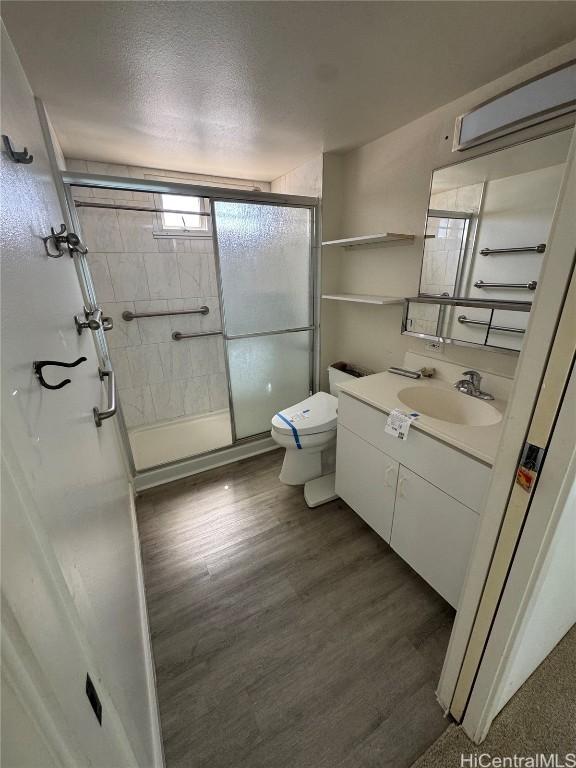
299, 415
399, 422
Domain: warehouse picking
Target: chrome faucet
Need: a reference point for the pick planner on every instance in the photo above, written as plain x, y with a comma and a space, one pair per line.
471, 386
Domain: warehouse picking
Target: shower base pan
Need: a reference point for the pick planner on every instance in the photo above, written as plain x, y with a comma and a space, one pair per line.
179, 439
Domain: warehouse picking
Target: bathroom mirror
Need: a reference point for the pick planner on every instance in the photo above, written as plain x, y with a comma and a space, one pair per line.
487, 226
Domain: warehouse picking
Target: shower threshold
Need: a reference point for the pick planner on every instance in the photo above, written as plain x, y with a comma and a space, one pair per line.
181, 438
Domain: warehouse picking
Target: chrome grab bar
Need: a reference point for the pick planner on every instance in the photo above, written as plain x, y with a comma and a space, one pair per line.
531, 286
527, 249
100, 416
177, 336
127, 315
466, 321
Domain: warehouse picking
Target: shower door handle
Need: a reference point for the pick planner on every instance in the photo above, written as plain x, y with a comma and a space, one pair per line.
100, 416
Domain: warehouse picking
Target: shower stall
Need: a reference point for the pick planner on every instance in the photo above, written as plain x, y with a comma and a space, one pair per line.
212, 297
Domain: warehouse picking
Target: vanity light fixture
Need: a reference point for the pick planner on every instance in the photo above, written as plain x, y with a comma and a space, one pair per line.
541, 98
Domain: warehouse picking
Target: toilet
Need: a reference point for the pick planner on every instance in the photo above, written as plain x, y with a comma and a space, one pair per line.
307, 431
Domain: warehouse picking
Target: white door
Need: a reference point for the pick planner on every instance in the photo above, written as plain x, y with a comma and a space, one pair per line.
433, 532
77, 605
366, 480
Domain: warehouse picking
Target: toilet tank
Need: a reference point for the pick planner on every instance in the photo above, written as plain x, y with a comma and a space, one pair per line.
336, 377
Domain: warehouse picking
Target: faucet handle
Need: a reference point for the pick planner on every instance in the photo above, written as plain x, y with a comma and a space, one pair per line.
475, 378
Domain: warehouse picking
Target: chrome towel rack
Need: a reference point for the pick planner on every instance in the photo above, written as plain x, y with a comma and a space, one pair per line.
467, 321
128, 316
177, 336
531, 286
527, 249
145, 209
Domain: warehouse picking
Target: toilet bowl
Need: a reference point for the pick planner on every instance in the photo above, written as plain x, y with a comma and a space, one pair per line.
307, 431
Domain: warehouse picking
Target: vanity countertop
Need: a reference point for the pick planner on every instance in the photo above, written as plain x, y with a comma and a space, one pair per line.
380, 390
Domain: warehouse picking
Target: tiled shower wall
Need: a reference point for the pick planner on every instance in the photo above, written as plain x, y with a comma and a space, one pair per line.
158, 379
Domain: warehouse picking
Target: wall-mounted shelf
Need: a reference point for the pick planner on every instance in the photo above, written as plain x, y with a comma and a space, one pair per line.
362, 298
381, 239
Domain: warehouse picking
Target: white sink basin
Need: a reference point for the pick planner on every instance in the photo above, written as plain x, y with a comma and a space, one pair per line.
449, 405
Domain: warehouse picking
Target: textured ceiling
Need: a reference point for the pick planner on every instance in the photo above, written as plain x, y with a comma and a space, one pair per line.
254, 89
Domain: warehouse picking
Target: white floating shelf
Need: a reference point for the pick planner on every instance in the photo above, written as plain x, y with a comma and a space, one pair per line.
381, 239
361, 298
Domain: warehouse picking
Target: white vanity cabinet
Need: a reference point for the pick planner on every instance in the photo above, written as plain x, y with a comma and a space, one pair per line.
366, 479
433, 532
419, 494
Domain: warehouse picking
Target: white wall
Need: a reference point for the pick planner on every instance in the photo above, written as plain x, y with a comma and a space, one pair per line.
71, 593
305, 180
385, 187
27, 747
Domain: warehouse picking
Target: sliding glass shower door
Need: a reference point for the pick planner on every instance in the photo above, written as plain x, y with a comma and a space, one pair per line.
265, 270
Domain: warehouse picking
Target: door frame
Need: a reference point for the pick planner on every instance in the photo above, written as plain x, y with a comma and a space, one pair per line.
489, 568
184, 466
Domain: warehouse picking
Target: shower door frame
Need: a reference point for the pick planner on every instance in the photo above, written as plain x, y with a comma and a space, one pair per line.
312, 265
99, 181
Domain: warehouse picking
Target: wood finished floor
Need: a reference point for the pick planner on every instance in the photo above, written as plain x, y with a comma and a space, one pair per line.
285, 637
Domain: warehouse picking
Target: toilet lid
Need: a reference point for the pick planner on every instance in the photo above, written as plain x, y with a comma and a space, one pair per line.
311, 416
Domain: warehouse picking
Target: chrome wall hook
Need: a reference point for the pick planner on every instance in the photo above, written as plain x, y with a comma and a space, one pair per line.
55, 243
38, 365
17, 157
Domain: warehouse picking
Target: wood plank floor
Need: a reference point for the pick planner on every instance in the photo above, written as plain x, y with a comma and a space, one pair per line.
285, 637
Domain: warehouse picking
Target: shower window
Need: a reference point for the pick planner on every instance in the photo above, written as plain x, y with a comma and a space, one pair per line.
177, 216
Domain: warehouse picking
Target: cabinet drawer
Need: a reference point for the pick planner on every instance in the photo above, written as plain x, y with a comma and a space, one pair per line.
366, 480
459, 475
434, 533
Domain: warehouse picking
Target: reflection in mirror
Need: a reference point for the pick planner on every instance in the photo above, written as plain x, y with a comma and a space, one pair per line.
487, 226
478, 322
423, 318
469, 324
507, 329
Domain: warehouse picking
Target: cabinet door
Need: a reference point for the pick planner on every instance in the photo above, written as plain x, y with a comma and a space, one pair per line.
433, 532
366, 480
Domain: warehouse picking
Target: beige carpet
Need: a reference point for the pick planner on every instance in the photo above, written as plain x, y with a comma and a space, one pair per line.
540, 717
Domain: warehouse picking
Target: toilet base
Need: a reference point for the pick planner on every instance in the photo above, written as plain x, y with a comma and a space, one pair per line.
321, 490
301, 466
